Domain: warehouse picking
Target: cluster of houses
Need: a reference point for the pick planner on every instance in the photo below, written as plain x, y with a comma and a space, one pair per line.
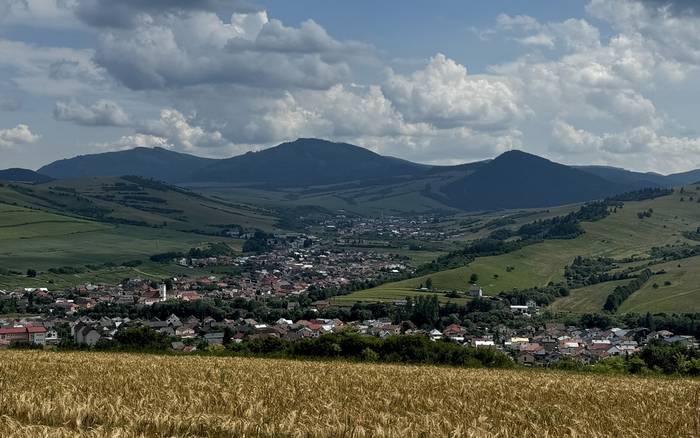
553, 342
191, 330
293, 271
382, 231
277, 273
85, 297
530, 346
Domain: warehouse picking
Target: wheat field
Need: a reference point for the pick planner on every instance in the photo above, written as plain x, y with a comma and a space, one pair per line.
45, 394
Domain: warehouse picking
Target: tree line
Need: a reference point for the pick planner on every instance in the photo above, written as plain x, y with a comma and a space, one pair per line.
621, 293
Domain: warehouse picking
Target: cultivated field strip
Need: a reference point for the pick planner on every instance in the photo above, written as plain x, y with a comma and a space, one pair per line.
126, 395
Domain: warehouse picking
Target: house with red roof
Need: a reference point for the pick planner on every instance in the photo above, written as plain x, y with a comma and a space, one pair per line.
12, 334
31, 333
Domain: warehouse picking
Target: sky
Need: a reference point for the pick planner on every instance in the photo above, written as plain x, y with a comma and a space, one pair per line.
606, 82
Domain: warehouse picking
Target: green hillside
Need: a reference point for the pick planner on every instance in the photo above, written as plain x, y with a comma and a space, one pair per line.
136, 201
589, 299
93, 221
675, 291
41, 240
678, 289
620, 235
104, 275
400, 196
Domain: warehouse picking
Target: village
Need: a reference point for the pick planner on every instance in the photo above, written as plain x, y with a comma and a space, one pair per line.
66, 321
382, 231
284, 290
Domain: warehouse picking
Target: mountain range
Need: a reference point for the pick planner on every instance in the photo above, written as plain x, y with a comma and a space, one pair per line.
514, 179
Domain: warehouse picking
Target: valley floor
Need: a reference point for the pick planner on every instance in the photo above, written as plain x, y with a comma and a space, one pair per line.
128, 395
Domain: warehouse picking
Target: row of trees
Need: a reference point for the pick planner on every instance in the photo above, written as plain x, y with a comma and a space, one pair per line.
676, 252
216, 249
344, 345
621, 293
641, 195
543, 296
585, 271
404, 349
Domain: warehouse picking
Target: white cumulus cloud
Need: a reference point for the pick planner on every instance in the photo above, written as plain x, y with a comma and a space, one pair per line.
20, 134
444, 94
651, 148
198, 47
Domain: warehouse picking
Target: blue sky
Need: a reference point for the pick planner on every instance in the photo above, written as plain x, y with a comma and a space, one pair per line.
416, 29
611, 82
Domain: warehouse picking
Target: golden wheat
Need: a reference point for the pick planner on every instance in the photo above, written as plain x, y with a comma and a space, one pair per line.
45, 394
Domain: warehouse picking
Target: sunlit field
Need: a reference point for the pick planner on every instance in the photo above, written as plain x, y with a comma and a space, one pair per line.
129, 395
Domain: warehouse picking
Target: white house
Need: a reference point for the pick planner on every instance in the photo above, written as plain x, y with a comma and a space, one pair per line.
475, 291
435, 334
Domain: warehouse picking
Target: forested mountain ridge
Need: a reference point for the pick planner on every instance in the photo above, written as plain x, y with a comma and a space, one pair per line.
354, 174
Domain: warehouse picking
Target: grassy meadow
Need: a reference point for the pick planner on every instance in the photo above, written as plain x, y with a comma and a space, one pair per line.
41, 240
35, 238
683, 292
589, 299
128, 395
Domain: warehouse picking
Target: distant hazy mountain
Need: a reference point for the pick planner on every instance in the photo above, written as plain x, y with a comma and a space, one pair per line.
517, 179
23, 175
154, 163
306, 162
689, 177
640, 179
635, 180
